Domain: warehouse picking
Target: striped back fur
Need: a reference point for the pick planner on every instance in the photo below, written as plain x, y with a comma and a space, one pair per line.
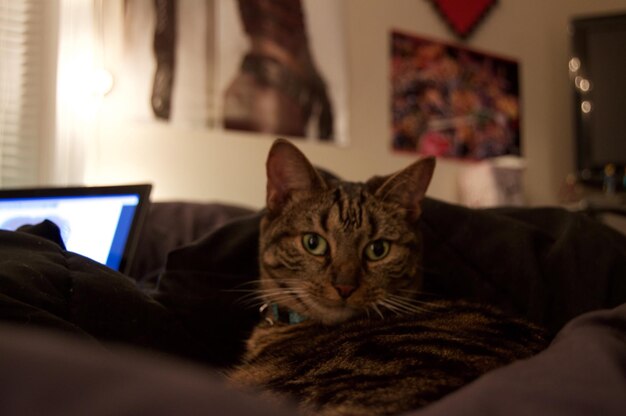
346, 259
384, 366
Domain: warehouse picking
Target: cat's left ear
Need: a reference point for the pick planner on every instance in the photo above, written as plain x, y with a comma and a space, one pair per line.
289, 174
408, 186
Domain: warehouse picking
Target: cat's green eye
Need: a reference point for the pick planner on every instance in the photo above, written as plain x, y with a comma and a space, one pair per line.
315, 244
377, 250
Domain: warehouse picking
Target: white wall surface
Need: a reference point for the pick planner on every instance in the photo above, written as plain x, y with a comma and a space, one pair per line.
215, 165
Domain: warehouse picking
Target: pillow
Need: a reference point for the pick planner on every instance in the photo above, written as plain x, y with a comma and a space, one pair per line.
170, 225
203, 285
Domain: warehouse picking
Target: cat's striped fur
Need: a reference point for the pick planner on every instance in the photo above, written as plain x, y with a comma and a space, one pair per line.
347, 257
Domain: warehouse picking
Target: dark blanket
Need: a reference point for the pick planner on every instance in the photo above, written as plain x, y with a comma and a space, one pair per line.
42, 285
547, 264
582, 373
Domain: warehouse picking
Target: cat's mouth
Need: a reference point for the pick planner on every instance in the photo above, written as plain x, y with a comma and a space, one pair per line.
333, 303
320, 307
331, 311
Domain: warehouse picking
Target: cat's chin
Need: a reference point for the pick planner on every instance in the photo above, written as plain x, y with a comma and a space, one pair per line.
331, 313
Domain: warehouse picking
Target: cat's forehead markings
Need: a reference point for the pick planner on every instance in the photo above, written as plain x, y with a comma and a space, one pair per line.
324, 220
349, 200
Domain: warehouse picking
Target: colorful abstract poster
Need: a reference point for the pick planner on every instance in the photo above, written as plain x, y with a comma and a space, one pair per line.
451, 101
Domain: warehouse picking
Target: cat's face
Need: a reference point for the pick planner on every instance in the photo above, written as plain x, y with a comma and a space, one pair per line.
332, 250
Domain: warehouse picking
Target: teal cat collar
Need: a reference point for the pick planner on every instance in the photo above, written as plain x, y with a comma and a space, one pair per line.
275, 314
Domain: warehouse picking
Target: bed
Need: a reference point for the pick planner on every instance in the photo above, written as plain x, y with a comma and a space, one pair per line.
79, 338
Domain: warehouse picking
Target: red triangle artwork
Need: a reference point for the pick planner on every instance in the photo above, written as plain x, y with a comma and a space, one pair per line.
462, 16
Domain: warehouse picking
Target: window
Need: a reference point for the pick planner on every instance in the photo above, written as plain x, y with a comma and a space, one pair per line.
26, 89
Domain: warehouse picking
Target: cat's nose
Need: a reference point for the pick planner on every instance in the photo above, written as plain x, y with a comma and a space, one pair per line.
345, 290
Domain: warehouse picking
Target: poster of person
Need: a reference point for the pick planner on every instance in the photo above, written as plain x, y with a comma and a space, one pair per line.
166, 68
451, 101
282, 67
275, 67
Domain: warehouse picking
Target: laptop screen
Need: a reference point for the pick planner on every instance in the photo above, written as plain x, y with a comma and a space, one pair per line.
102, 223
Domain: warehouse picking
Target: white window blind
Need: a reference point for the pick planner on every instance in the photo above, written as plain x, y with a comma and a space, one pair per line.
21, 91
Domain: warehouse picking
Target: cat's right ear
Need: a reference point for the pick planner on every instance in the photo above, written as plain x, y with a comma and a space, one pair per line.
289, 173
407, 187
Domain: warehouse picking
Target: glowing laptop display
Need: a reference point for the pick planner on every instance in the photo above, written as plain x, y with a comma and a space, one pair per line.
101, 223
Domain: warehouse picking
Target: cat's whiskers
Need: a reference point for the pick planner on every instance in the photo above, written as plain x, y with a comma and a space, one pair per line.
279, 289
249, 299
392, 308
258, 296
413, 294
255, 282
377, 310
411, 302
280, 294
280, 300
411, 299
268, 293
249, 294
402, 305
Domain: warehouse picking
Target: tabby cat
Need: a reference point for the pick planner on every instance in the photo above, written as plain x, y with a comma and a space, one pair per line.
347, 331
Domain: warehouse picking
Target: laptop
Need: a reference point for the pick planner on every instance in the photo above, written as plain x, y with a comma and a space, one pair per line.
102, 222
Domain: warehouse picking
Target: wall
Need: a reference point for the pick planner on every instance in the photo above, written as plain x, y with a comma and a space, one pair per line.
225, 166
